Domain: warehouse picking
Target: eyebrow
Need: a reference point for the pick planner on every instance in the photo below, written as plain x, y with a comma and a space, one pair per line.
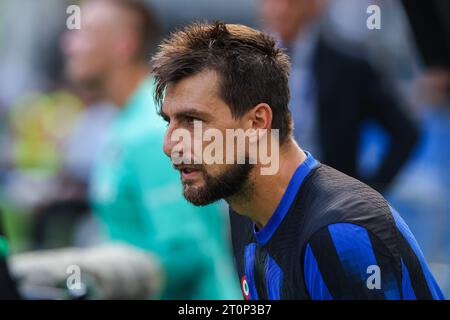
186, 113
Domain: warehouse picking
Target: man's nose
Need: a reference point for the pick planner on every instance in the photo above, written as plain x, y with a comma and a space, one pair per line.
168, 143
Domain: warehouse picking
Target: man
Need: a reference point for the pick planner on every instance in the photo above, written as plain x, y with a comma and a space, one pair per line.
134, 191
335, 94
306, 231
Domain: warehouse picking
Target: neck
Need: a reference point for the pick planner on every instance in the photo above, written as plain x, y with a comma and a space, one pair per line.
256, 204
122, 82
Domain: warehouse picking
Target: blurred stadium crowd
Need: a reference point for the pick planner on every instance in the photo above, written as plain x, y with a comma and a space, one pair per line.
363, 101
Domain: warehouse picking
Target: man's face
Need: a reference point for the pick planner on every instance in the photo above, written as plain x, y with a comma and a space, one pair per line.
95, 48
187, 103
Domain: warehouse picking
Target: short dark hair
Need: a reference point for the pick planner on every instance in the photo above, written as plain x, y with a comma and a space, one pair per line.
251, 68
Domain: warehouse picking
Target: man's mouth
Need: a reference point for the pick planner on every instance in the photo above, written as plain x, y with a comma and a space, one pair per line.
188, 172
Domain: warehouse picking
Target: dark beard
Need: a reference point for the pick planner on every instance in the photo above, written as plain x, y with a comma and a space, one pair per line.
227, 184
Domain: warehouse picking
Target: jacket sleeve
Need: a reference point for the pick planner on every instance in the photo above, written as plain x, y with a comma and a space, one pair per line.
383, 106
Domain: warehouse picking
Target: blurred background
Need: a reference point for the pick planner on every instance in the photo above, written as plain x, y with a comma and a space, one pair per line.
397, 77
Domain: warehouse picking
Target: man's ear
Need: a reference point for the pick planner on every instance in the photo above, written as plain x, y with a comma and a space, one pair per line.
261, 116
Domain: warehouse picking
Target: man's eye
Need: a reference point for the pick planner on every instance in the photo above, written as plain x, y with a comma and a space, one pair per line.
190, 120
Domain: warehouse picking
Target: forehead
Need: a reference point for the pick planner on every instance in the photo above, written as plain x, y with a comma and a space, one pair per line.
200, 92
102, 15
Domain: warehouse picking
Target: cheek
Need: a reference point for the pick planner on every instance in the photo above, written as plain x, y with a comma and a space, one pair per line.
215, 170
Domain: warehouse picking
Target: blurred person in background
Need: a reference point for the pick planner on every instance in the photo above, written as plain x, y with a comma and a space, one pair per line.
422, 189
134, 190
43, 171
412, 48
63, 216
334, 93
36, 177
